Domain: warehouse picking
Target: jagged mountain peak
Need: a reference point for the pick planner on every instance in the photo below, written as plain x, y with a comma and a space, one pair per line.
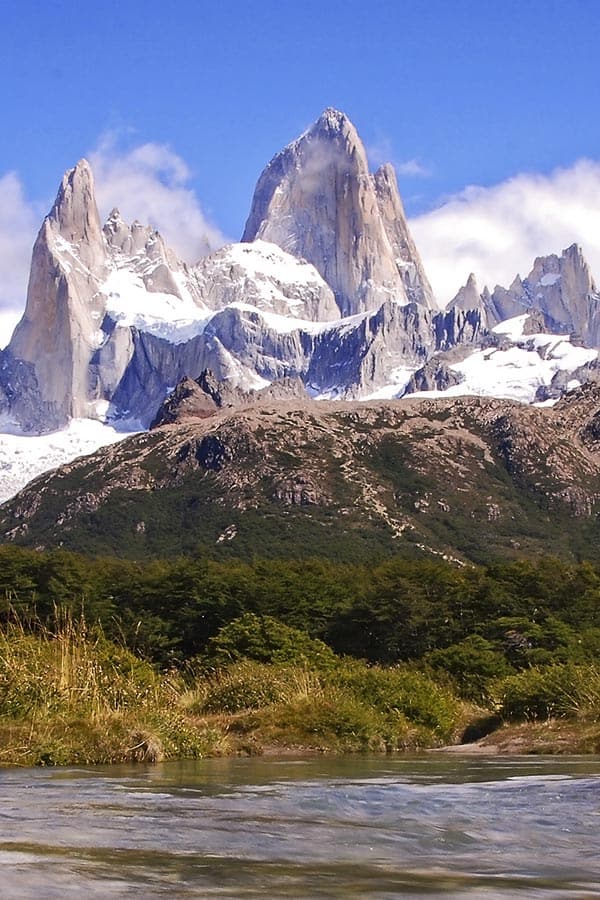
334, 119
336, 129
468, 296
571, 264
317, 201
327, 288
74, 211
560, 288
386, 173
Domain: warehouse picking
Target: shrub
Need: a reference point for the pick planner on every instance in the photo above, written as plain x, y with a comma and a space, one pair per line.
472, 664
336, 721
70, 669
266, 639
401, 690
544, 692
252, 685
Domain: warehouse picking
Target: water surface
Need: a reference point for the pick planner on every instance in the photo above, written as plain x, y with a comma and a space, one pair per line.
376, 827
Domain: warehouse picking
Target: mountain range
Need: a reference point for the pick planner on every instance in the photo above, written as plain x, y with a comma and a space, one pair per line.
326, 286
325, 298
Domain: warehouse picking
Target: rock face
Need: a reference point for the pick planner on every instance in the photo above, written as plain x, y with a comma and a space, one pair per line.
60, 328
406, 255
561, 288
317, 200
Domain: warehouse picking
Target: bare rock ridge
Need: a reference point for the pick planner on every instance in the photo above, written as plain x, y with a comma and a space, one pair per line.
200, 398
317, 200
58, 331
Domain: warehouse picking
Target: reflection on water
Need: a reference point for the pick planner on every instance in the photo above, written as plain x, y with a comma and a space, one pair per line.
377, 827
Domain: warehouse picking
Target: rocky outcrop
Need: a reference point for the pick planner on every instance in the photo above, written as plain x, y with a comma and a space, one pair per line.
435, 375
561, 288
317, 200
60, 328
204, 396
468, 297
188, 401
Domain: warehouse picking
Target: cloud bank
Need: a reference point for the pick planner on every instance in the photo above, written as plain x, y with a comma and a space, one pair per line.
497, 232
150, 183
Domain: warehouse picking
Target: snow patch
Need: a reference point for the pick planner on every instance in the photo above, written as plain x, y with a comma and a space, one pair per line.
261, 260
23, 458
399, 379
549, 279
512, 328
515, 373
130, 304
510, 373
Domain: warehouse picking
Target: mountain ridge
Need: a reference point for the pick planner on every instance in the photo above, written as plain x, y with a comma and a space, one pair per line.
469, 479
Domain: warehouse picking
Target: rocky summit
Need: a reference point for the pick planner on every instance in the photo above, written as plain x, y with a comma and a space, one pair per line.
317, 200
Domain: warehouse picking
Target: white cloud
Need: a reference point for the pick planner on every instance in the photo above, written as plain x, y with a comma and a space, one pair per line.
382, 152
497, 232
150, 183
412, 168
19, 221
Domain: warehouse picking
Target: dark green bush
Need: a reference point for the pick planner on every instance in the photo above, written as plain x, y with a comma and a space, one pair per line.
265, 639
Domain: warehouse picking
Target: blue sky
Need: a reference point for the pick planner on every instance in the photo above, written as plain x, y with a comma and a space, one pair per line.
455, 93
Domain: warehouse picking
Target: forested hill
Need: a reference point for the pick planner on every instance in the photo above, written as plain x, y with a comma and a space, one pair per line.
470, 479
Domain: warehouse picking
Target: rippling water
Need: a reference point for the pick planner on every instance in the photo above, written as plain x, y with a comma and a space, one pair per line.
429, 826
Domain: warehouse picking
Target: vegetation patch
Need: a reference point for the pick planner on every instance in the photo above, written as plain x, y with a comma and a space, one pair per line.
109, 660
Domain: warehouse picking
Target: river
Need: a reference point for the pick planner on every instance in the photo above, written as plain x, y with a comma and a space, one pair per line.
438, 825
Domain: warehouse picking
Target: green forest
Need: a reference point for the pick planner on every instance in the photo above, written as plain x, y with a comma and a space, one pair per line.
402, 654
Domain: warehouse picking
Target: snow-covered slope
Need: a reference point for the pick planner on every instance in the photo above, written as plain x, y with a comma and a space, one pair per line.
519, 365
24, 457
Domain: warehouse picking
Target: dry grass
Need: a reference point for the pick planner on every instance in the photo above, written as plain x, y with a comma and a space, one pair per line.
67, 695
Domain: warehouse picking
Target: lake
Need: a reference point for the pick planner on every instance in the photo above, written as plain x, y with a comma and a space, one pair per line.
436, 825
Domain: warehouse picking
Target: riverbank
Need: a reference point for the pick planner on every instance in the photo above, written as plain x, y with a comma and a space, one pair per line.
122, 740
552, 737
71, 697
